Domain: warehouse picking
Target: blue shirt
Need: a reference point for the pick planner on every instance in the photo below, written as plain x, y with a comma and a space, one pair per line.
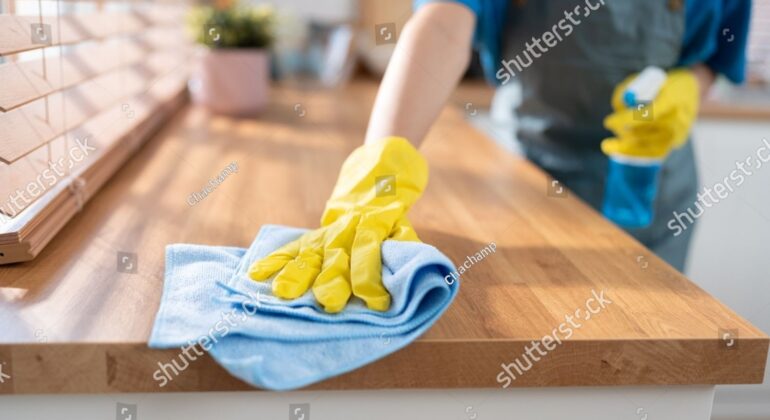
715, 34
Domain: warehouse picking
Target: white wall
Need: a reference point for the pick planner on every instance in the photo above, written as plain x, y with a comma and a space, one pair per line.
330, 11
730, 255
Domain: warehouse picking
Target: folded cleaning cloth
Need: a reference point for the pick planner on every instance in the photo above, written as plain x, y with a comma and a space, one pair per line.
278, 344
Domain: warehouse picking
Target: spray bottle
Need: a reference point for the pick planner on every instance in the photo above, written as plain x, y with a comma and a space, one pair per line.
632, 182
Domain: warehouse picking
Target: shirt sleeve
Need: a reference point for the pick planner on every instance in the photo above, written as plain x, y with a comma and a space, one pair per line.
490, 18
716, 33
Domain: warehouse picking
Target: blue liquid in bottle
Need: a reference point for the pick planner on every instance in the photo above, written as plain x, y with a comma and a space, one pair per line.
629, 196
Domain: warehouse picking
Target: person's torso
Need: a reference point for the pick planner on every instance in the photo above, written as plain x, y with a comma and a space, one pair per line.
569, 55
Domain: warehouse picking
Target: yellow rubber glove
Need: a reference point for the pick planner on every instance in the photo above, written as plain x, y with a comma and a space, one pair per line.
673, 113
376, 186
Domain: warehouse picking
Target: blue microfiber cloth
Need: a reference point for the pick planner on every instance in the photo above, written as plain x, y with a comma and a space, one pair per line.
278, 344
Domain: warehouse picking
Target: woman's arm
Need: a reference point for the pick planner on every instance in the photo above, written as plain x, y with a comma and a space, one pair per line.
428, 62
705, 77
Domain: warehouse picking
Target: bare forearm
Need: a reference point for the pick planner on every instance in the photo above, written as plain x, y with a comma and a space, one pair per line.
705, 77
428, 62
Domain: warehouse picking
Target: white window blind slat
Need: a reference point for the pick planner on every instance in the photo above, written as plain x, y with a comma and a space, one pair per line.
16, 32
33, 79
31, 126
108, 72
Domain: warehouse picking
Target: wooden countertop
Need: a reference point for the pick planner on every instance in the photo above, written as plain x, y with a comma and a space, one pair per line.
73, 323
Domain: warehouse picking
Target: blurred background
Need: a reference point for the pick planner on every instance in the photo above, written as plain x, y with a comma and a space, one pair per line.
324, 44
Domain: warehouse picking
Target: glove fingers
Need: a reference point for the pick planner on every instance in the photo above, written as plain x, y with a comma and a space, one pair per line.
340, 233
625, 121
633, 148
611, 146
366, 270
661, 135
366, 260
645, 140
266, 267
332, 286
297, 275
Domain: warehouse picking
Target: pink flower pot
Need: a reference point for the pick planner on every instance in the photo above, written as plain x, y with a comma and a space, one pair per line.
232, 81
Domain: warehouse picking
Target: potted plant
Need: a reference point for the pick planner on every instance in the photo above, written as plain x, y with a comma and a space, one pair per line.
233, 74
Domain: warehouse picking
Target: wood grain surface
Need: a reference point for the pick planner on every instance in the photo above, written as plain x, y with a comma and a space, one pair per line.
72, 323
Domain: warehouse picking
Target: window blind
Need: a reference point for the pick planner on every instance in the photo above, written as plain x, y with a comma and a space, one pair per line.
82, 85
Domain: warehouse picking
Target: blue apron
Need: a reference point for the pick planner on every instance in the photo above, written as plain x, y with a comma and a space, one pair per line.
566, 95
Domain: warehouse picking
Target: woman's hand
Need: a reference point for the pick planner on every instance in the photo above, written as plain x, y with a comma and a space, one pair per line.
376, 186
673, 112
